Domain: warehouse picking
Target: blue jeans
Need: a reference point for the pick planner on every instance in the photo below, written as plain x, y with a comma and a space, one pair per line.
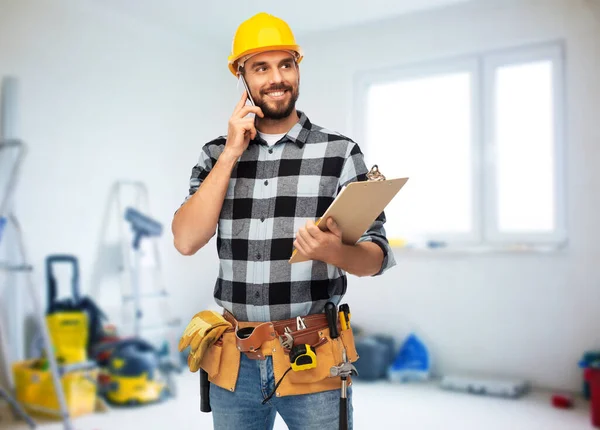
242, 409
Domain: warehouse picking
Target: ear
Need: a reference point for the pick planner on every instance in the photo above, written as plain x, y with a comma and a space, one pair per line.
240, 70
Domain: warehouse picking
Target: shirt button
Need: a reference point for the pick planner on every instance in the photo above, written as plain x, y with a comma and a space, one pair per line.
266, 182
258, 256
270, 151
257, 294
262, 219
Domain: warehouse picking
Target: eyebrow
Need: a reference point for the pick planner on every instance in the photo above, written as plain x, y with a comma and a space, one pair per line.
264, 63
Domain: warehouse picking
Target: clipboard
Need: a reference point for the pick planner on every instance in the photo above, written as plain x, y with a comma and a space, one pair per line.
357, 206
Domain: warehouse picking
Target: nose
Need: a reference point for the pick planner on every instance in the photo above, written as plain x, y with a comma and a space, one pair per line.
275, 76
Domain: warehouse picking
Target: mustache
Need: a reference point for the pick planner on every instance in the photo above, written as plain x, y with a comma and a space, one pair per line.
278, 87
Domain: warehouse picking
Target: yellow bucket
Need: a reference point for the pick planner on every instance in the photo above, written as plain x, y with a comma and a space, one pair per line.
35, 389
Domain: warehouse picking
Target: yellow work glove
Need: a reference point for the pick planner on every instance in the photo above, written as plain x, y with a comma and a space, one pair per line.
203, 330
195, 357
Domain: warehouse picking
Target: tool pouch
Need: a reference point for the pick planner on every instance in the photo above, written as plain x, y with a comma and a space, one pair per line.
222, 359
317, 379
250, 339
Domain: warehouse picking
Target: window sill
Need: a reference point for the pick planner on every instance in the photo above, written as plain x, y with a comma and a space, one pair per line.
470, 250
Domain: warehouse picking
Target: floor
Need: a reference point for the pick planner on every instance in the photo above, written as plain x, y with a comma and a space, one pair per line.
377, 405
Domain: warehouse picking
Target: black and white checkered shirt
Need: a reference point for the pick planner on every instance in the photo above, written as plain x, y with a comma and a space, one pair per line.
273, 191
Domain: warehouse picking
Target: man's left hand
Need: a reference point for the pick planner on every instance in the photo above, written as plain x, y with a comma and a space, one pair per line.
320, 245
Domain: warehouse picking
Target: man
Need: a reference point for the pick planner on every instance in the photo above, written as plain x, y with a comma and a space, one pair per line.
264, 185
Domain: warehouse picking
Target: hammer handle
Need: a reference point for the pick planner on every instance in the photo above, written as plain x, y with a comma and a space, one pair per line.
204, 392
344, 414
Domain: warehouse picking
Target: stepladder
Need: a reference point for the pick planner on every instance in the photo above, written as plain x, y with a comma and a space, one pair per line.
17, 263
136, 295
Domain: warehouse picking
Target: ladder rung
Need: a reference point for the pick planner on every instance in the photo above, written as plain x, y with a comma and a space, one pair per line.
173, 323
86, 365
7, 267
147, 296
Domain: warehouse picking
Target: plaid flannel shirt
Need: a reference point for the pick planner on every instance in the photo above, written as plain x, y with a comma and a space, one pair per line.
272, 192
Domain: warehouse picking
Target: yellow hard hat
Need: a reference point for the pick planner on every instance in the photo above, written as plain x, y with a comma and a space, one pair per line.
263, 32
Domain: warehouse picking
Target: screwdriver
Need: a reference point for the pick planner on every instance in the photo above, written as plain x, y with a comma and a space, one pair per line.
345, 316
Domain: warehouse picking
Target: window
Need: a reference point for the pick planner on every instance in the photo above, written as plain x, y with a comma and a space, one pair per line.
480, 139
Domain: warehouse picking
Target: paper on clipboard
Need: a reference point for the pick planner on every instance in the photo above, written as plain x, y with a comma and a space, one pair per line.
356, 207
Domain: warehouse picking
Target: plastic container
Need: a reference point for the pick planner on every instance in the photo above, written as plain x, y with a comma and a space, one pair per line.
67, 322
592, 376
588, 358
412, 363
34, 389
374, 358
69, 336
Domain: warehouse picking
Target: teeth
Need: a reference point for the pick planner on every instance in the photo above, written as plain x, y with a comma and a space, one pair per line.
276, 94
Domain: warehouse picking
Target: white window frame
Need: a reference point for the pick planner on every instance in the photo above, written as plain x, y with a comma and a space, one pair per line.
482, 67
553, 53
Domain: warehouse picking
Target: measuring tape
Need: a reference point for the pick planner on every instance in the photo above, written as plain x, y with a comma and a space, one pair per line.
303, 357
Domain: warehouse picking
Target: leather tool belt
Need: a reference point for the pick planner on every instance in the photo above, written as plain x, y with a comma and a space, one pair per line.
250, 337
257, 340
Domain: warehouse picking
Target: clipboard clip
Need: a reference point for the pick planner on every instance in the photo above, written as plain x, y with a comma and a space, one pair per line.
375, 175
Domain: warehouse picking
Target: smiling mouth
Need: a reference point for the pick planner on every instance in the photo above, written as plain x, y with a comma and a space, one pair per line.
276, 95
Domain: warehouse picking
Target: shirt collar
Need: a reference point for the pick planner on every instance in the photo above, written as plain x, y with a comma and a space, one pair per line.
298, 134
300, 131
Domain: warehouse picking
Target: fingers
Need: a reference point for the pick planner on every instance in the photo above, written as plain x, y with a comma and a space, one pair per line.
312, 229
306, 239
184, 342
300, 247
241, 103
249, 127
196, 340
245, 110
203, 343
190, 331
242, 109
300, 242
193, 363
333, 227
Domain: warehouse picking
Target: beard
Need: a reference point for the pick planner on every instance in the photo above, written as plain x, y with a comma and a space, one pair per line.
278, 109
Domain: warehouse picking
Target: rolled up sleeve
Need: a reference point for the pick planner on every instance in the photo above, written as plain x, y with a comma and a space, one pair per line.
355, 170
199, 172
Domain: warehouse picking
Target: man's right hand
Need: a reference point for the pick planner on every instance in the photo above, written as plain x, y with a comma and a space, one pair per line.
241, 129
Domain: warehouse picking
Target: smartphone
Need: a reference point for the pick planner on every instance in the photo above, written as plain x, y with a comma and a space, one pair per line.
242, 85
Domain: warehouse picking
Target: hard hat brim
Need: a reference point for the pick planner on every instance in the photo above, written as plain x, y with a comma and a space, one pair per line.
233, 60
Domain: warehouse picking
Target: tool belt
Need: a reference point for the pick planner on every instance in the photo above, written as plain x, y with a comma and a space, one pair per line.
259, 340
250, 337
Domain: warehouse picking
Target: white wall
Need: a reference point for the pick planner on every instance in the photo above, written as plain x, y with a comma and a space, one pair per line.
528, 316
103, 97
